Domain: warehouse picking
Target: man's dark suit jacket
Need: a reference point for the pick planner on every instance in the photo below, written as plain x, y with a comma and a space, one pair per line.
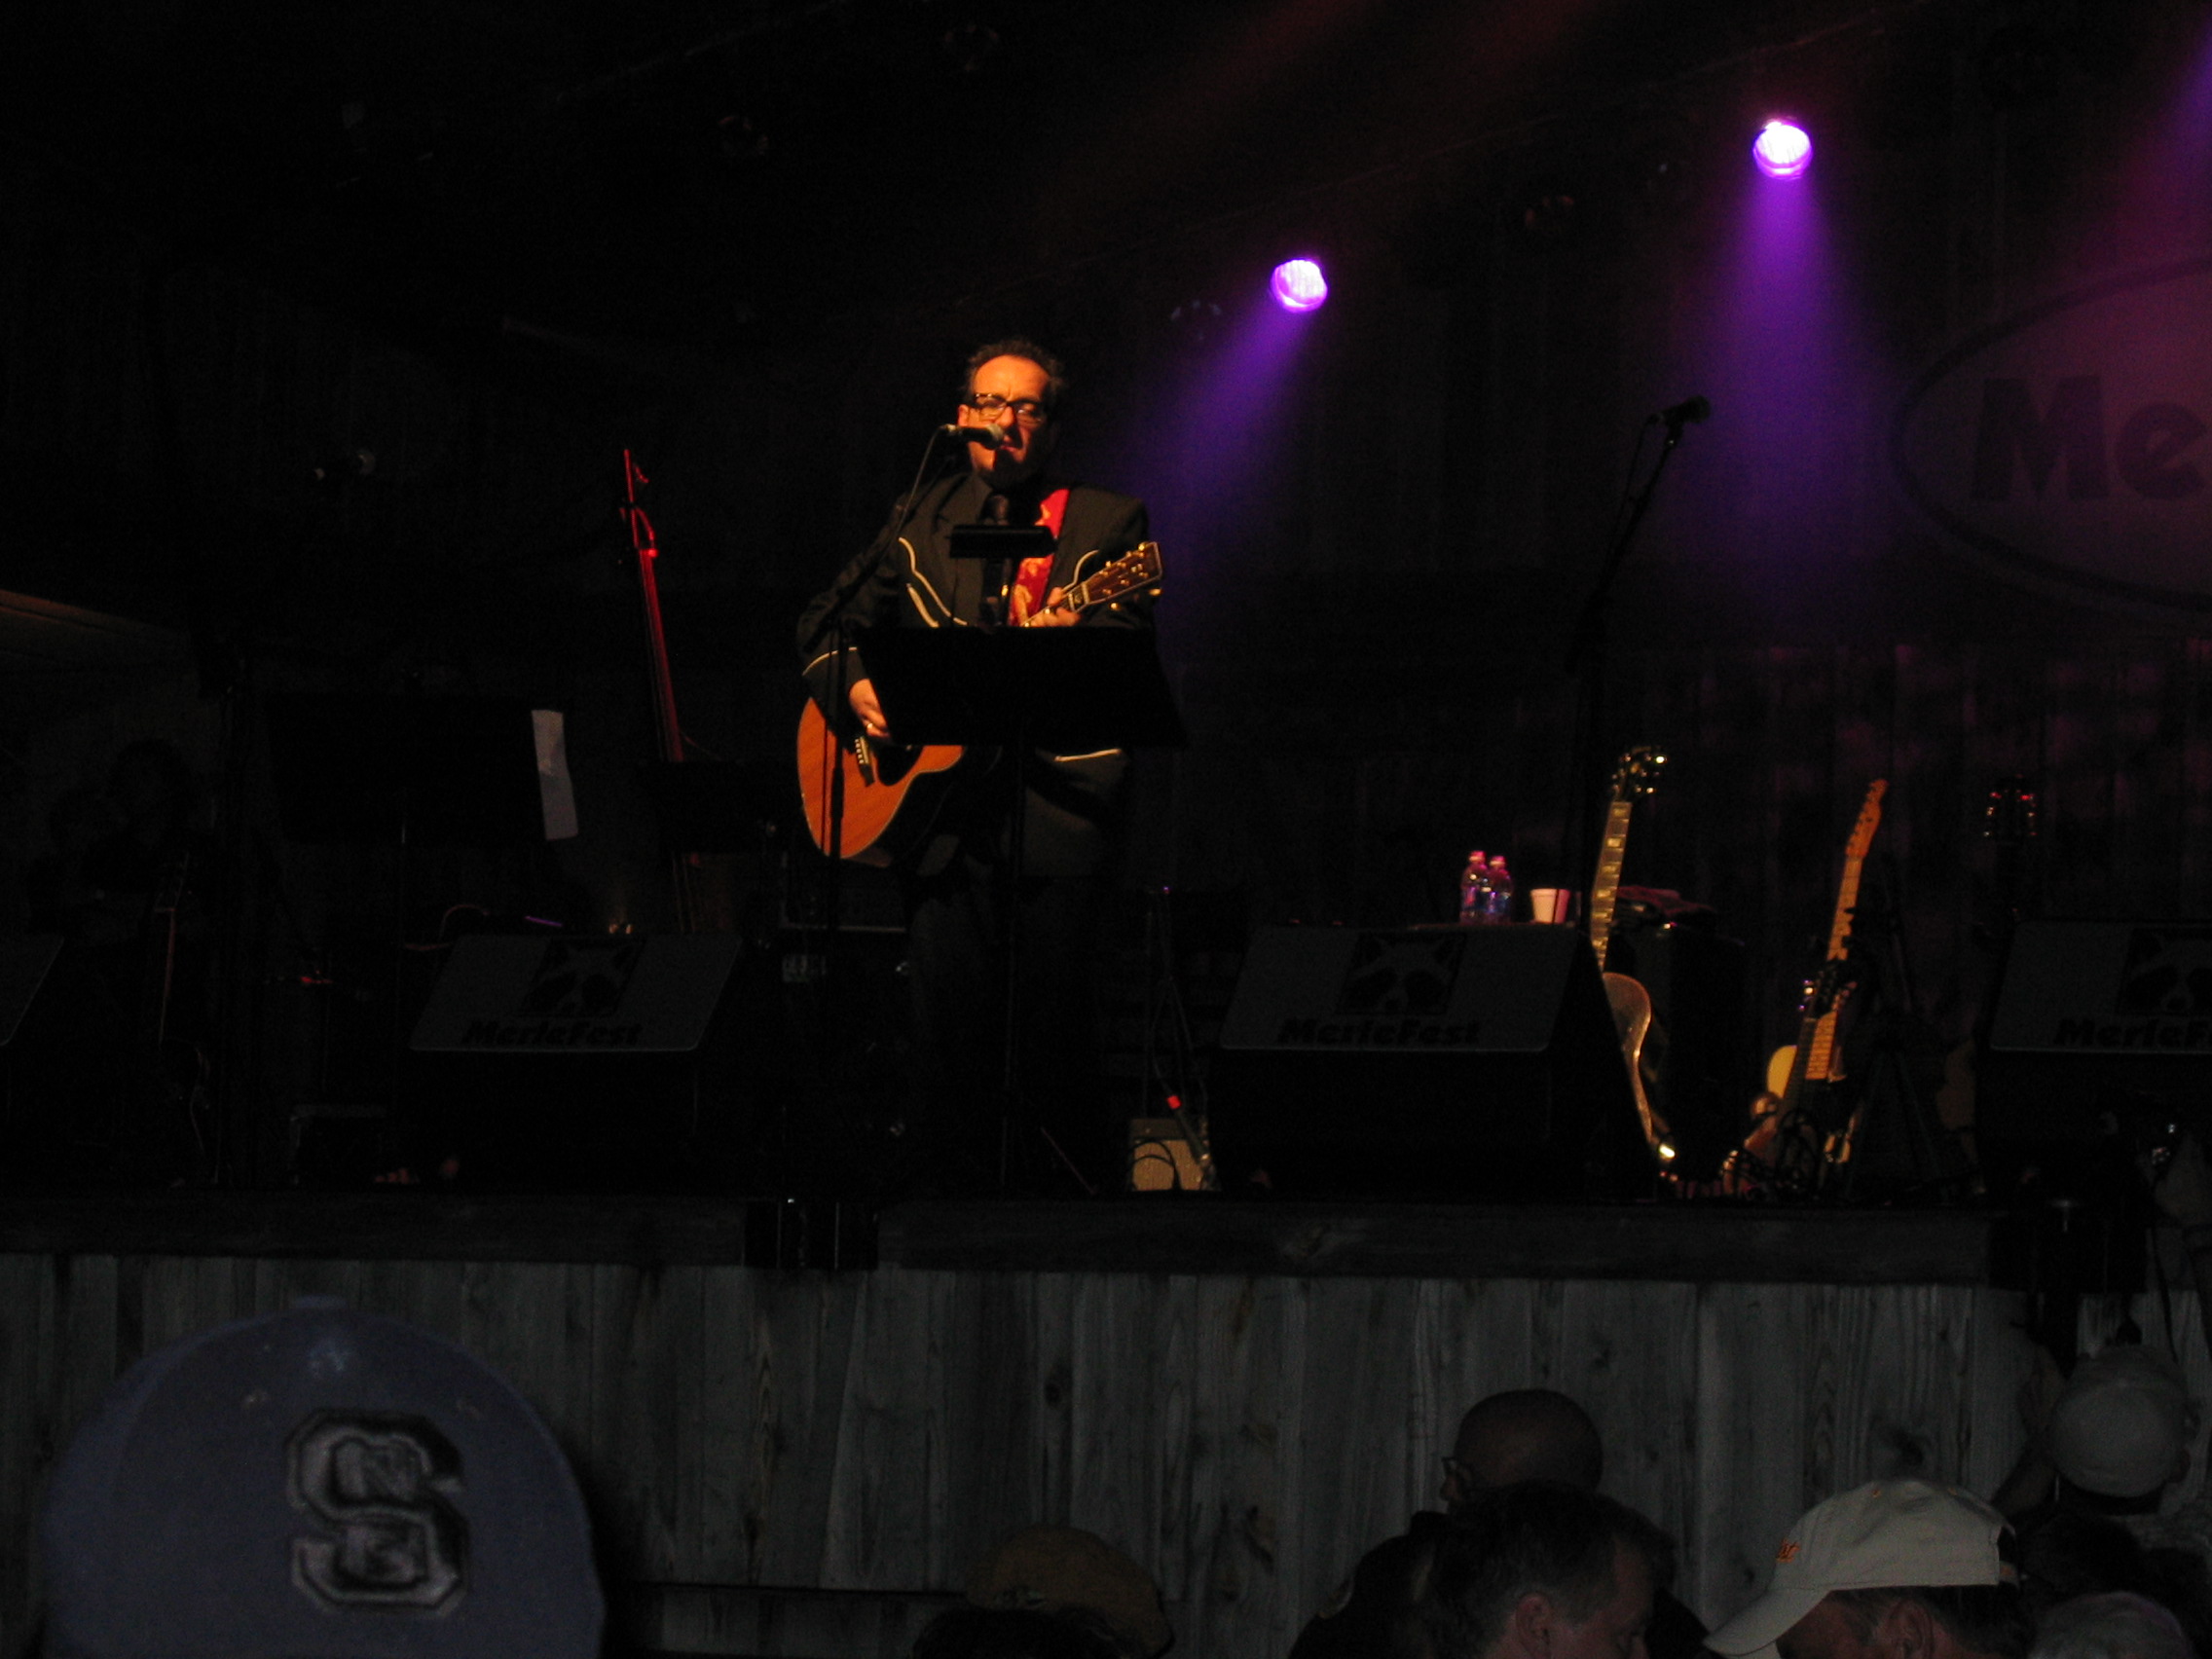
919, 584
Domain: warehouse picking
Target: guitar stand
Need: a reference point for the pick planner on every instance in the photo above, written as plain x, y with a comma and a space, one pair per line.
1893, 1140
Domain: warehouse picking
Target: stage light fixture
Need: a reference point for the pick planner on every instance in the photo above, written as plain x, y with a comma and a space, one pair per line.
1782, 149
1298, 286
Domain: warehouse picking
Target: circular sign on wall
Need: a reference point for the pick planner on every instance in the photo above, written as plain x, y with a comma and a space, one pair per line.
2070, 442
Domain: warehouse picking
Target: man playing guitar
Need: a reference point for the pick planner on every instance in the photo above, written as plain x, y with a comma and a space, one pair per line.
953, 878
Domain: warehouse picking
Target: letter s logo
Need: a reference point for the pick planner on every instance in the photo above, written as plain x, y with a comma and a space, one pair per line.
380, 1483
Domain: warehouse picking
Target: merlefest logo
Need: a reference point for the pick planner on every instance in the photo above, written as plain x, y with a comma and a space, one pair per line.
2068, 442
2164, 999
1396, 993
574, 1000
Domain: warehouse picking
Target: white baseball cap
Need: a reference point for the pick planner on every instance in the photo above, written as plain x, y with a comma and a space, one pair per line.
1888, 1534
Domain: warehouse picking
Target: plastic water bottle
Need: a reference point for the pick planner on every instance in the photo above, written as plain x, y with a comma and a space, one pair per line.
1500, 903
1474, 890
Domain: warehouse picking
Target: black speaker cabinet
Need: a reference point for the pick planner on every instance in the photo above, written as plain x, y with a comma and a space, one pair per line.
1425, 1062
2100, 1026
584, 1062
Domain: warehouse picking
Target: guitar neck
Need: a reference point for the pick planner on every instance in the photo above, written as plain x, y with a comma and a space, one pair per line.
1134, 569
1816, 1036
1604, 888
1846, 903
1817, 1030
1079, 598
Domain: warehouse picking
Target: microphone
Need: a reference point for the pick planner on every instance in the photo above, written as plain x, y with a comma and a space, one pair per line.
1676, 416
990, 437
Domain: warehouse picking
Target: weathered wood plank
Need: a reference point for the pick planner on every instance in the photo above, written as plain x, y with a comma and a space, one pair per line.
1629, 1353
807, 1332
644, 1365
378, 1225
1988, 1423
1755, 1415
879, 1481
1360, 1347
989, 1359
1684, 1242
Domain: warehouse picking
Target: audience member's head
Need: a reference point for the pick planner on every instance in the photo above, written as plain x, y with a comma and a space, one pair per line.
1902, 1566
1525, 1434
1064, 1570
1542, 1571
2114, 1626
2120, 1427
317, 1483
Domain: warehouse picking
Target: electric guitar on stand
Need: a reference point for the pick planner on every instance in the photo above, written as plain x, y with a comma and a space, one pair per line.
1636, 773
892, 791
1803, 1135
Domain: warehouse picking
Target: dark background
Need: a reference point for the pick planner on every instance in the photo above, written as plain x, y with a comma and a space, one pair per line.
324, 330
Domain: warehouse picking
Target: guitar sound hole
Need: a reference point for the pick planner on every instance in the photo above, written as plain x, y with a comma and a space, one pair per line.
892, 763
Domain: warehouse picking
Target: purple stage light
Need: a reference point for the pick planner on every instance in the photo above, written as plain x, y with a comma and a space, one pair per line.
1782, 149
1298, 286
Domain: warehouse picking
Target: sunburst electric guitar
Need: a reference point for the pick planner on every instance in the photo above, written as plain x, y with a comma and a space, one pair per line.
891, 791
1636, 773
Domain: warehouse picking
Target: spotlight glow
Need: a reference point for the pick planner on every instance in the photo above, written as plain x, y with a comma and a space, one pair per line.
1782, 149
1298, 286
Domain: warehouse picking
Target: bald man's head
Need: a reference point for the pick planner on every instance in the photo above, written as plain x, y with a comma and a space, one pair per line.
1527, 1434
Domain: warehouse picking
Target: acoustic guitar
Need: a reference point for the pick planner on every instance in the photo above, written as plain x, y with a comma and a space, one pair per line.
1636, 773
892, 791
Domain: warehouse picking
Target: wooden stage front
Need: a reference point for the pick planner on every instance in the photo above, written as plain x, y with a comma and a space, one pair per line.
802, 1460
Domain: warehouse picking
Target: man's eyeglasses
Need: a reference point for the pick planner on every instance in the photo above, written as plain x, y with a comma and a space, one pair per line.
1027, 410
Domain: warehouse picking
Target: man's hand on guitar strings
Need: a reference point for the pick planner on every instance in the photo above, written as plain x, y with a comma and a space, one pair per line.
1051, 617
863, 699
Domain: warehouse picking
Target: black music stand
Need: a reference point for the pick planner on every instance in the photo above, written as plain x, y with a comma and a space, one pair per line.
1064, 690
1070, 690
1001, 547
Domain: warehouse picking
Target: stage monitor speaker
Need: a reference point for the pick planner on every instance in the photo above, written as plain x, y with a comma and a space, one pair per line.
585, 1062
1425, 1062
578, 993
2097, 1020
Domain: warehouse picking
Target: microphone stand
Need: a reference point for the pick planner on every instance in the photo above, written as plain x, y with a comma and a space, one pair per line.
1587, 648
847, 588
835, 625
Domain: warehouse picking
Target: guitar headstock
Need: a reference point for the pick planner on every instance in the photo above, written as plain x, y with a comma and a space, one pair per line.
1636, 771
1139, 568
2011, 817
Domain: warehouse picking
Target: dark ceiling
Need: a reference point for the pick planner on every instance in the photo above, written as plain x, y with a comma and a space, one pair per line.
684, 168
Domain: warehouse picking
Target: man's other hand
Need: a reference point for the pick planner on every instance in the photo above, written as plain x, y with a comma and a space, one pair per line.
863, 699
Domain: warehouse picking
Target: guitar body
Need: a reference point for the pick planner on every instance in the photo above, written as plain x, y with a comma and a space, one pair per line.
892, 794
1633, 1023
